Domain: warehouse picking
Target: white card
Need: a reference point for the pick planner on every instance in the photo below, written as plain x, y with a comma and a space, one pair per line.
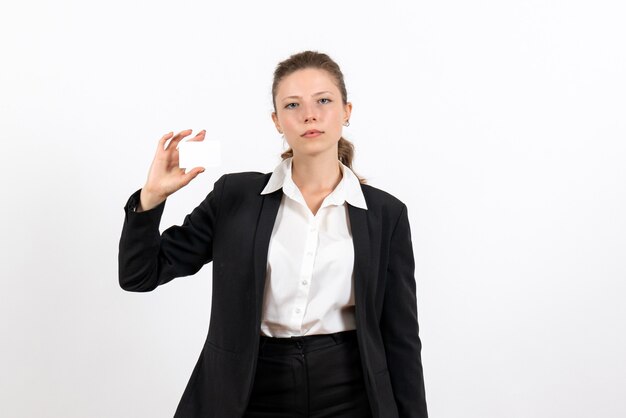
206, 153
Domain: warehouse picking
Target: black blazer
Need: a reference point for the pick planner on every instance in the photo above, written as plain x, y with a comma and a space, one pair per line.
232, 228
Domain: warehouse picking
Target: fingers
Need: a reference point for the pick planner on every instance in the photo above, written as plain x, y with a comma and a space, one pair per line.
164, 139
199, 136
178, 137
192, 175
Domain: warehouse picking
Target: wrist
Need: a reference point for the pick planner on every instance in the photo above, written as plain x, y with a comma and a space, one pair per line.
149, 200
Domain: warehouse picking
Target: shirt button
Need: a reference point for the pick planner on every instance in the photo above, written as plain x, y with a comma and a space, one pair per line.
309, 253
313, 229
297, 310
304, 282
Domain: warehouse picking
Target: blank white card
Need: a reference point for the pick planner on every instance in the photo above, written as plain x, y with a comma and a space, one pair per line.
206, 153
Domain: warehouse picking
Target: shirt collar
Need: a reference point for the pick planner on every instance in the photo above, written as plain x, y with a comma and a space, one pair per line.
348, 189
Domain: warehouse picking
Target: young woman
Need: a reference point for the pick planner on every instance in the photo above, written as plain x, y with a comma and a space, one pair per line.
314, 300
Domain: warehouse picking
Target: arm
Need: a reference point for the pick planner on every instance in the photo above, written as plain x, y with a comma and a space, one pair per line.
399, 326
148, 259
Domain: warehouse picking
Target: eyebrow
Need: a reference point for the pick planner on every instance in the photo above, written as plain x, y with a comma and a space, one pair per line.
298, 97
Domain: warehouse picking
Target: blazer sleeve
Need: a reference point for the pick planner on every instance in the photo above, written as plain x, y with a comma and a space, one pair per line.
399, 326
148, 258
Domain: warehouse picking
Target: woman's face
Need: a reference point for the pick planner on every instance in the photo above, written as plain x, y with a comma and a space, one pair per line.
308, 99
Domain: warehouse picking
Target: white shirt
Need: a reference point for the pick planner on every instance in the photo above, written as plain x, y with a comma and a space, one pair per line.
309, 285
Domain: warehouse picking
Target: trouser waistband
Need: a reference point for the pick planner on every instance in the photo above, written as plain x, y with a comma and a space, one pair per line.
305, 343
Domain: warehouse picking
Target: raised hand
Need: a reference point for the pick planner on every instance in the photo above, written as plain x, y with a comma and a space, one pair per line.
165, 176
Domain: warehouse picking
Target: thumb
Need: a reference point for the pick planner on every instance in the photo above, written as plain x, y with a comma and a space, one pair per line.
192, 175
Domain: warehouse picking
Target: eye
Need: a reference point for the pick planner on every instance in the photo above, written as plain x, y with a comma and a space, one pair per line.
327, 100
289, 106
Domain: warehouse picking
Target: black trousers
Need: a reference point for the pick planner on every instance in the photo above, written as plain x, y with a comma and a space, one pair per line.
317, 376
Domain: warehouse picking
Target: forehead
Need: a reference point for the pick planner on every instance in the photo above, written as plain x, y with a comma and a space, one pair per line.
306, 82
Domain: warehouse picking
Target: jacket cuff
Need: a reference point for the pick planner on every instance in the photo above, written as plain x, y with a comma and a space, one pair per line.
145, 217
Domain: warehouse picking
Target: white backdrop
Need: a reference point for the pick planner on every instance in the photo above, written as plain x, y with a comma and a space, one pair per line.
499, 123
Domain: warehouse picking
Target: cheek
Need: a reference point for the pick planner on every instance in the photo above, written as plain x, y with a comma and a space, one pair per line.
286, 121
289, 123
334, 114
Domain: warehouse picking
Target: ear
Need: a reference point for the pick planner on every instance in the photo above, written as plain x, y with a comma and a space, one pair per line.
275, 119
347, 111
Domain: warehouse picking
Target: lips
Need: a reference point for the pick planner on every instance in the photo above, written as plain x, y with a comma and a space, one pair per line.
312, 132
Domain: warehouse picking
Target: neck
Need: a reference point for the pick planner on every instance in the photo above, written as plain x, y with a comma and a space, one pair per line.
316, 174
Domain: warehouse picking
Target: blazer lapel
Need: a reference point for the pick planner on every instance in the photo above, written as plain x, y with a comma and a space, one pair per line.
265, 225
361, 241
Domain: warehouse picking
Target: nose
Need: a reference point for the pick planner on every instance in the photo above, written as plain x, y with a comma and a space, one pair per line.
310, 114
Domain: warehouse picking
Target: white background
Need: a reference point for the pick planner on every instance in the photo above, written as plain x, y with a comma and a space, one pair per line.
499, 123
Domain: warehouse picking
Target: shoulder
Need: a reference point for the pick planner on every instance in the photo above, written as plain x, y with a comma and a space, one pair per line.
242, 187
245, 181
379, 199
385, 209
